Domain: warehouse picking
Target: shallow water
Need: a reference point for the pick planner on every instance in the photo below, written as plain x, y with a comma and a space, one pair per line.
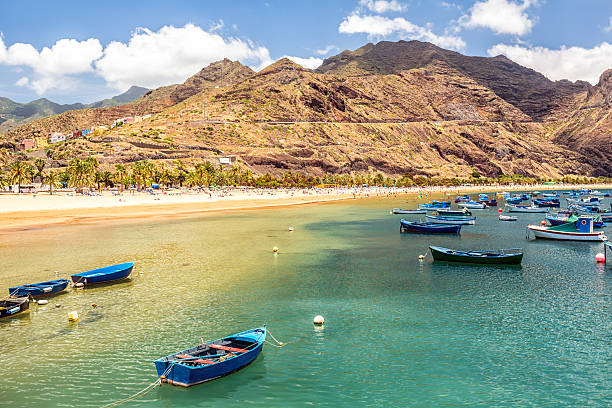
398, 332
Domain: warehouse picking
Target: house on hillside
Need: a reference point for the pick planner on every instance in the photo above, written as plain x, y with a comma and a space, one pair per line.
27, 144
57, 137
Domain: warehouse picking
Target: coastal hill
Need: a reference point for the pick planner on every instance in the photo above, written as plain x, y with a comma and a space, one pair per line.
13, 114
395, 108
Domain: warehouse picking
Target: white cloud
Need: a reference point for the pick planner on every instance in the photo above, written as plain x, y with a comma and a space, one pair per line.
378, 26
609, 27
170, 55
52, 67
325, 50
382, 6
310, 63
500, 16
565, 63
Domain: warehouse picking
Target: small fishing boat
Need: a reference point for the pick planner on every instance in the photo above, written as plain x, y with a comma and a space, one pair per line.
513, 200
503, 217
524, 197
512, 256
580, 230
400, 211
457, 213
444, 219
473, 205
551, 195
13, 305
585, 209
552, 203
462, 198
211, 360
491, 203
526, 209
563, 217
104, 275
435, 205
40, 289
429, 227
483, 197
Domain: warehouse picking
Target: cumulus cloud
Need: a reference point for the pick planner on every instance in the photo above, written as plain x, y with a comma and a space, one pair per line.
500, 16
565, 63
325, 50
382, 6
379, 26
52, 67
310, 63
170, 55
609, 27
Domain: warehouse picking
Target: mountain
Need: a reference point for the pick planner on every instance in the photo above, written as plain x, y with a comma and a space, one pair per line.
13, 114
528, 90
396, 108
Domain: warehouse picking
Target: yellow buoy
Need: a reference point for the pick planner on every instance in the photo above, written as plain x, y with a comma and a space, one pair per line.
275, 249
318, 320
73, 316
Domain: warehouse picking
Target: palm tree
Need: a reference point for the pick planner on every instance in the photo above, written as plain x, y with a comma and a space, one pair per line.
3, 181
20, 173
91, 165
107, 179
40, 166
80, 173
97, 178
120, 174
52, 179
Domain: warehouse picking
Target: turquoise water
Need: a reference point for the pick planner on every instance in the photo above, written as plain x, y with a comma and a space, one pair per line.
398, 332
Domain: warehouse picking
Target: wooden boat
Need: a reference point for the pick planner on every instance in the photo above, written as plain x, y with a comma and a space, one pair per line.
503, 217
429, 227
434, 205
473, 205
564, 218
552, 203
584, 209
512, 256
211, 360
526, 209
443, 219
491, 203
580, 230
40, 289
550, 195
103, 275
400, 211
457, 213
513, 200
13, 305
483, 197
462, 198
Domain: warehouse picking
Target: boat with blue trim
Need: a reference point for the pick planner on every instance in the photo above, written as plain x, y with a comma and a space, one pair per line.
14, 305
401, 211
513, 256
473, 205
434, 205
579, 230
40, 289
429, 227
443, 219
211, 360
103, 275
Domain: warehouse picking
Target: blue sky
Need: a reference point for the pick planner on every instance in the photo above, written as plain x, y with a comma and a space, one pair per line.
83, 51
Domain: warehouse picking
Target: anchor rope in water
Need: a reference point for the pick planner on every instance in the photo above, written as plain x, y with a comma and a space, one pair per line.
142, 392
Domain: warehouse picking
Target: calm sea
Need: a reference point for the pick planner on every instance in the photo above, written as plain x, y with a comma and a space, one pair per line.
398, 331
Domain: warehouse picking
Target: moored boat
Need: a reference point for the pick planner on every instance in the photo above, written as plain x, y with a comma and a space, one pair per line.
473, 205
434, 205
429, 227
491, 203
550, 203
211, 360
526, 209
103, 275
444, 219
14, 305
580, 230
512, 256
503, 217
457, 213
401, 211
40, 289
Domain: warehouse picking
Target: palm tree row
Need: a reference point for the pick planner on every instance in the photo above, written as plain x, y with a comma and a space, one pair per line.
85, 173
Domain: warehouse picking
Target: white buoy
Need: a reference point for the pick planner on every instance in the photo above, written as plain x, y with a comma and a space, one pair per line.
73, 316
79, 285
318, 320
421, 257
290, 228
275, 249
43, 302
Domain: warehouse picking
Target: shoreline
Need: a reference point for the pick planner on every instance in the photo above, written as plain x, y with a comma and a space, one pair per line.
37, 211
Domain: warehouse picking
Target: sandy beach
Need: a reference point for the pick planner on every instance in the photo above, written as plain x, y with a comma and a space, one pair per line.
37, 210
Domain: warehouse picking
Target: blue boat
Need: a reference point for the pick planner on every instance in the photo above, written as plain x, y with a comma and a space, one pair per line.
435, 205
103, 275
211, 360
551, 203
40, 289
514, 200
444, 219
462, 198
429, 227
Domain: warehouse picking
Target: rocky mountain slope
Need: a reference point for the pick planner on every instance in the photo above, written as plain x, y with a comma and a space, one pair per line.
441, 116
13, 114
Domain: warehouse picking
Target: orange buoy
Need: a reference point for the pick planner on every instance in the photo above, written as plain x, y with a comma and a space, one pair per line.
600, 258
500, 211
543, 223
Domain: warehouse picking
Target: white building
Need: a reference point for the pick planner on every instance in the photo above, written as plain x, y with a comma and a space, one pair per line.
57, 137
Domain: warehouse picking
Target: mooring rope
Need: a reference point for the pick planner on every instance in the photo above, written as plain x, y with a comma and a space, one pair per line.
141, 392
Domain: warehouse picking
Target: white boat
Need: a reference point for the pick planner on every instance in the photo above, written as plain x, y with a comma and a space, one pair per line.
400, 211
473, 205
580, 230
503, 217
526, 209
442, 219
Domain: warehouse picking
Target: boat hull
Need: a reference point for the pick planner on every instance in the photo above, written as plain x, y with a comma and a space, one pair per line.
442, 255
400, 211
451, 220
104, 275
40, 289
429, 228
13, 306
176, 373
545, 233
527, 210
454, 213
